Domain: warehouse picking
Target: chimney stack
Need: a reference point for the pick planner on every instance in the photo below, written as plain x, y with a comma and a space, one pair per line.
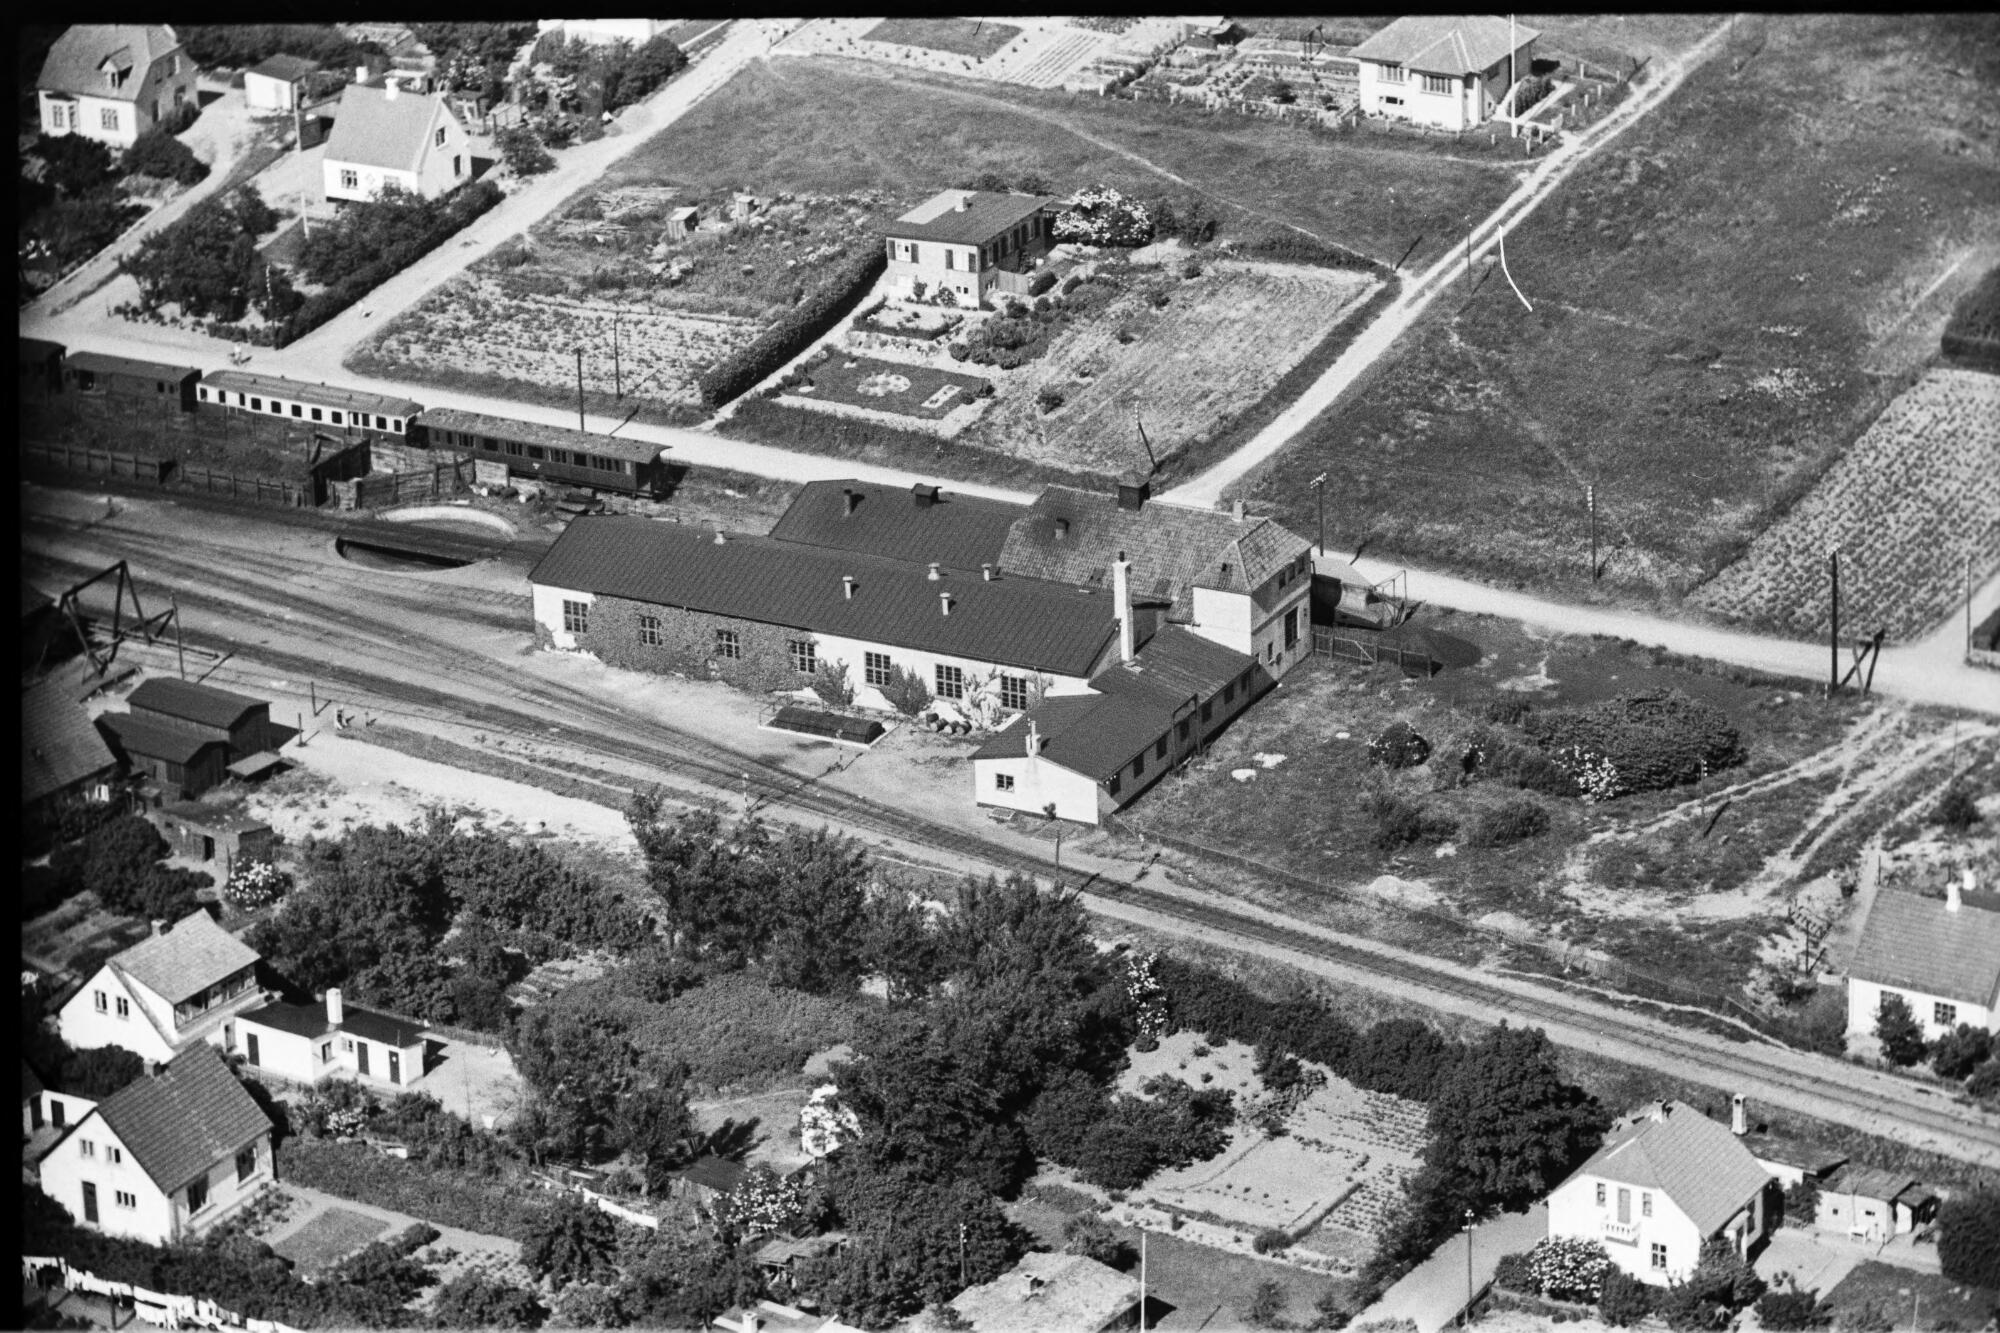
361, 73
935, 576
159, 926
1738, 1122
987, 571
964, 202
1954, 897
334, 1013
1121, 592
1133, 491
720, 540
389, 88
1034, 740
944, 603
853, 499
1062, 528
847, 586
923, 495
1236, 509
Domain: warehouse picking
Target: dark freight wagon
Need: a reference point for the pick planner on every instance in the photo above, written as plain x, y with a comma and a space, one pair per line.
533, 452
124, 381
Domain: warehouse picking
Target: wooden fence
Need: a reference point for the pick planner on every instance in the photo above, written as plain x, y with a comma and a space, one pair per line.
1367, 650
377, 490
99, 462
245, 488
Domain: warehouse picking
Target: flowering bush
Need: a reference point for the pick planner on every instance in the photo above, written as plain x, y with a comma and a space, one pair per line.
1148, 997
1102, 216
1569, 1268
256, 885
764, 1202
824, 1124
1595, 777
1399, 746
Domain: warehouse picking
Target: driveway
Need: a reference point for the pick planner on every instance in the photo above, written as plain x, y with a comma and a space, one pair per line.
1434, 1292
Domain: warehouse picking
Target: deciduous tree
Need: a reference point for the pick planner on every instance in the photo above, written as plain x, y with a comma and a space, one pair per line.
1902, 1036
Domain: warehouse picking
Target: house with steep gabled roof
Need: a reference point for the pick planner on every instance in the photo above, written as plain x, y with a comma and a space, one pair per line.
1941, 955
164, 1158
112, 82
182, 985
1667, 1181
383, 136
62, 754
1447, 71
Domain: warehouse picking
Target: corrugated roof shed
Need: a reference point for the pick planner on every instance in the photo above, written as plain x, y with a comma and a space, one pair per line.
277, 386
1454, 44
180, 1122
987, 214
960, 532
284, 68
59, 746
100, 363
1693, 1160
76, 63
373, 129
1869, 1182
186, 959
152, 739
1011, 621
1919, 944
534, 432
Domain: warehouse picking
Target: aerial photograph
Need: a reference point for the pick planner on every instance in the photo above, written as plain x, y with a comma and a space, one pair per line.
1020, 674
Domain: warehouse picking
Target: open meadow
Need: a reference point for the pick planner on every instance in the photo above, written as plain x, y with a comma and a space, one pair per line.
1691, 354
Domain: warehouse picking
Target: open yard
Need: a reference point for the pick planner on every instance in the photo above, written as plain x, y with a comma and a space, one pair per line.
1900, 1296
920, 392
965, 37
1744, 362
328, 1237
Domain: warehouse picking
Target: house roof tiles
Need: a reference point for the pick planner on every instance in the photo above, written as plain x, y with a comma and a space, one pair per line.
717, 1173
371, 128
59, 746
180, 1122
149, 738
1050, 1293
1173, 666
310, 1020
103, 363
986, 215
1917, 943
75, 64
1695, 1161
1869, 1182
1454, 44
1012, 621
284, 68
186, 959
961, 532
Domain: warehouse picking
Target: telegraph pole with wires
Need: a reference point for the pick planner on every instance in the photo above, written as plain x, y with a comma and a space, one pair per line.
1833, 636
579, 386
1590, 498
1319, 489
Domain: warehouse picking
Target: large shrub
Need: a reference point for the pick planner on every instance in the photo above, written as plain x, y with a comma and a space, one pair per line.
1958, 1052
1956, 810
1623, 1300
158, 153
1401, 822
795, 330
1902, 1036
1783, 1311
1969, 1237
1102, 216
1569, 1268
1503, 825
1399, 746
1652, 740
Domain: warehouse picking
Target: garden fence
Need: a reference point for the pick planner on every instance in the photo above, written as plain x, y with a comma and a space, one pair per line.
99, 462
245, 488
605, 1204
162, 1309
1367, 651
376, 490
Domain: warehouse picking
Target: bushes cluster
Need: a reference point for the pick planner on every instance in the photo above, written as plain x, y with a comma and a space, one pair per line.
238, 45
1969, 1237
1516, 820
523, 152
1956, 810
159, 154
608, 77
1401, 822
1624, 1299
121, 861
1291, 247
1784, 1311
1399, 746
1102, 216
1173, 1126
1569, 1268
1722, 1283
795, 330
1653, 740
443, 1194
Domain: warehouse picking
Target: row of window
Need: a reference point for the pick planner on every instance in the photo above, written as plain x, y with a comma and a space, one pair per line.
1432, 83
458, 439
88, 1148
277, 409
1625, 1199
984, 256
124, 1006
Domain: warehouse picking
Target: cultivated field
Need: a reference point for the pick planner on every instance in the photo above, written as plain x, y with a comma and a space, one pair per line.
963, 37
1915, 495
1689, 354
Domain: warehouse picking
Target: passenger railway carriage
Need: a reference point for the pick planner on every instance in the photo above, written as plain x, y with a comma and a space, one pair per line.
350, 412
532, 451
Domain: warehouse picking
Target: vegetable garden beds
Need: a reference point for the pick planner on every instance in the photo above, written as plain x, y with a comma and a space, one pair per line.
885, 386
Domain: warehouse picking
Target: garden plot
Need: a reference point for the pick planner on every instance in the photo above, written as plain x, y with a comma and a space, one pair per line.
1183, 356
891, 387
1039, 53
1340, 1144
1913, 497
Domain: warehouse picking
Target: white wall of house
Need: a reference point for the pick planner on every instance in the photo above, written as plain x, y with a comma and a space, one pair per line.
109, 1012
445, 164
549, 612
1864, 1002
286, 1054
1037, 782
149, 1216
1860, 1215
261, 92
1462, 103
982, 679
1657, 1248
48, 1104
1232, 620
116, 122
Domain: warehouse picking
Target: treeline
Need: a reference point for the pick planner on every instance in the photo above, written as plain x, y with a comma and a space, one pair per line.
240, 45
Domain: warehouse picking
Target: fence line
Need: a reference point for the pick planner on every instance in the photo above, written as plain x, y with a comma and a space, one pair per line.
1368, 651
100, 461
605, 1203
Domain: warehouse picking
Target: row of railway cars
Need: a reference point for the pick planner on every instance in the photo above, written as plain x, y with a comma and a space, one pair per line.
528, 450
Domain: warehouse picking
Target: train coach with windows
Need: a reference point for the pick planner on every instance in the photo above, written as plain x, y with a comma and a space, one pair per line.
534, 452
326, 410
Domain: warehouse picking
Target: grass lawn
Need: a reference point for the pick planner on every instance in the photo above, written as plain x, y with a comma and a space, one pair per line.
1718, 315
329, 1237
962, 37
887, 386
1899, 1293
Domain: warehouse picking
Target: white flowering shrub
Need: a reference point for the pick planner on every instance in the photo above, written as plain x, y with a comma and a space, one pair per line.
764, 1202
1102, 216
1148, 997
256, 885
1595, 776
347, 1123
1569, 1268
824, 1124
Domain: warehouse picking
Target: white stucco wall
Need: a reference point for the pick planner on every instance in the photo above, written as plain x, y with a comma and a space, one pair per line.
834, 648
261, 92
1575, 1212
1864, 1001
65, 1170
549, 612
285, 1054
1037, 783
84, 1028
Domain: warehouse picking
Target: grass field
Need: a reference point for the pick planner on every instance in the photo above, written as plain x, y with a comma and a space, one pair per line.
1901, 1295
1707, 293
330, 1237
961, 37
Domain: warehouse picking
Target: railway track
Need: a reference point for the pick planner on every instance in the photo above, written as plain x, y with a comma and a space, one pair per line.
463, 688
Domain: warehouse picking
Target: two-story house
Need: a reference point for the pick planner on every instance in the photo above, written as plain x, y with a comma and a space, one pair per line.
181, 986
965, 243
1941, 955
1447, 71
164, 1158
383, 136
309, 1043
113, 82
1666, 1182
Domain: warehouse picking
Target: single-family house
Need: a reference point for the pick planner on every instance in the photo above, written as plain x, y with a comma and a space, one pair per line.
309, 1043
1447, 71
1874, 1205
771, 1317
63, 757
1667, 1181
1942, 955
183, 985
1052, 1293
384, 136
961, 244
166, 1157
225, 837
277, 84
113, 81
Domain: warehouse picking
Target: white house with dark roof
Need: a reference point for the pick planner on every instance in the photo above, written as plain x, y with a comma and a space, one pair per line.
1942, 955
277, 83
383, 136
1667, 1181
164, 1158
1448, 71
113, 81
960, 243
183, 985
309, 1043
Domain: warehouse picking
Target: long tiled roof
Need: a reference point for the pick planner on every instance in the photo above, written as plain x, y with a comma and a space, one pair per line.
277, 386
59, 746
202, 704
180, 1122
960, 532
103, 363
1092, 734
987, 215
75, 63
1445, 43
373, 129
1693, 1160
187, 959
310, 1020
534, 432
1012, 621
1176, 664
137, 735
1918, 944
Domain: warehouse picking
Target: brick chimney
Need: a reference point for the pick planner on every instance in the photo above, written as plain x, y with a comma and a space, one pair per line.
1034, 740
1121, 592
1954, 896
1062, 528
852, 499
720, 540
1739, 1123
334, 1013
964, 202
1236, 509
923, 495
944, 603
159, 926
986, 571
389, 89
934, 574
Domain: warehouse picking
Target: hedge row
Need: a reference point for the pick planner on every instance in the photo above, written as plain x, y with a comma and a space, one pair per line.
457, 211
739, 372
1291, 247
493, 1205
1654, 739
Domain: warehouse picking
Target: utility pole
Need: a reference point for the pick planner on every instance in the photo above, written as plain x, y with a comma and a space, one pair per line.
1968, 601
1514, 131
1833, 638
180, 652
617, 384
1466, 1318
1319, 489
1590, 498
299, 147
1142, 1280
579, 386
